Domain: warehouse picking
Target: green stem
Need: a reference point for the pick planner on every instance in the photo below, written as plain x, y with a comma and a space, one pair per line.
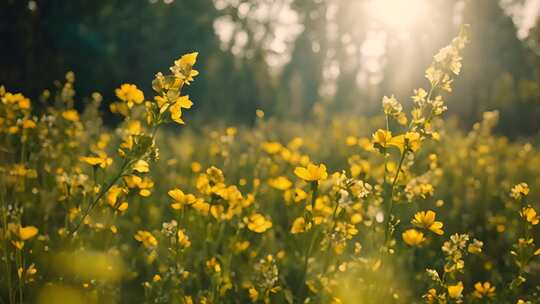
307, 253
327, 257
6, 256
391, 200
384, 152
100, 195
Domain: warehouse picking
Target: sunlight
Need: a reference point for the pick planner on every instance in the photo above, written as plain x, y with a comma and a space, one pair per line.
398, 14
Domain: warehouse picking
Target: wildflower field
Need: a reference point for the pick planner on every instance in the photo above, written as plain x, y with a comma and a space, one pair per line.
403, 207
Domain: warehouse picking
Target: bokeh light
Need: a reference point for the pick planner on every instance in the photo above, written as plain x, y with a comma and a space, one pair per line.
398, 15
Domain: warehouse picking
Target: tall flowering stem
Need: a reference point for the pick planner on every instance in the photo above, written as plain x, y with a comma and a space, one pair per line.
312, 174
426, 106
139, 147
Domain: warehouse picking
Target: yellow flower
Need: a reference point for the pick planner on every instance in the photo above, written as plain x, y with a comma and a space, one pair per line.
180, 199
351, 141
475, 247
196, 167
231, 131
299, 195
296, 195
253, 294
29, 272
529, 214
120, 108
188, 59
454, 291
258, 223
201, 206
141, 166
356, 218
113, 194
183, 67
241, 246
182, 102
426, 219
382, 137
519, 191
299, 226
134, 127
13, 130
183, 239
102, 160
431, 296
18, 244
123, 207
146, 238
391, 106
130, 94
144, 184
482, 290
26, 233
145, 193
311, 173
71, 115
419, 95
213, 264
401, 118
409, 140
271, 147
434, 75
280, 183
92, 160
28, 124
17, 99
413, 237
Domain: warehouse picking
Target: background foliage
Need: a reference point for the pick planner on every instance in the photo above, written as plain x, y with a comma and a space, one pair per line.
108, 42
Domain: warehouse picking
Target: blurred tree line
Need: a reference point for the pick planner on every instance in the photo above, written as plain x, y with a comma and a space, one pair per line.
246, 63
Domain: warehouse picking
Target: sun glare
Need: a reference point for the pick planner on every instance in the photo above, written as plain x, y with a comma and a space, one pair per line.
398, 14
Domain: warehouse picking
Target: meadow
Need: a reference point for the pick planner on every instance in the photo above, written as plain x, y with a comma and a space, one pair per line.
405, 207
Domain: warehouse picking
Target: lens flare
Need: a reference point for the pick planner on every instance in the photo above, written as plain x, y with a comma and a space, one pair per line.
398, 14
